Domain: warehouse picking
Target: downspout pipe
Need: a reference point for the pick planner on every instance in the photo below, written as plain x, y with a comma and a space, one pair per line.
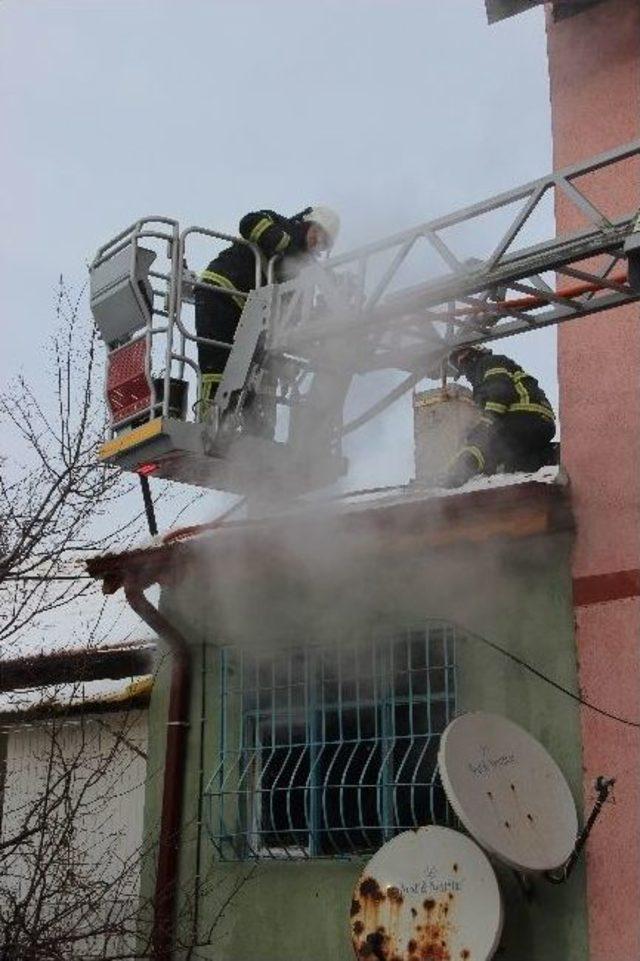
164, 904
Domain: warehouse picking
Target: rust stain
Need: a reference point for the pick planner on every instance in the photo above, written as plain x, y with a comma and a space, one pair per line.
465, 953
371, 940
384, 918
432, 945
369, 888
355, 907
376, 946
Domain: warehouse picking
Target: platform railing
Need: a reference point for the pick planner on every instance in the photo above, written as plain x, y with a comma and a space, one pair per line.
143, 229
178, 337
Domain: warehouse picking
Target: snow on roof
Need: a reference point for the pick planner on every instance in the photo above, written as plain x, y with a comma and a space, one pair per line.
44, 650
414, 491
368, 499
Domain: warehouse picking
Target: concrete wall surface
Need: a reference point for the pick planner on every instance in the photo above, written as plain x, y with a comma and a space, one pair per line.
515, 593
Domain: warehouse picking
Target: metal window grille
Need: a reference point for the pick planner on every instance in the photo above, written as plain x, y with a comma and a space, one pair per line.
330, 751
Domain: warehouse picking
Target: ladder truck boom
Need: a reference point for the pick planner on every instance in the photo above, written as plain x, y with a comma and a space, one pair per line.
302, 341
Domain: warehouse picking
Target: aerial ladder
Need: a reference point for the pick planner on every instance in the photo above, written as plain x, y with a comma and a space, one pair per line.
300, 343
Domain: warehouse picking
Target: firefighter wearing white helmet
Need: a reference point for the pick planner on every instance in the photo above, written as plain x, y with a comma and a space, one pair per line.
293, 240
324, 226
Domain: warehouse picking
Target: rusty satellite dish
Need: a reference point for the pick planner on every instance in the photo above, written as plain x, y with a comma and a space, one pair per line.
508, 792
430, 893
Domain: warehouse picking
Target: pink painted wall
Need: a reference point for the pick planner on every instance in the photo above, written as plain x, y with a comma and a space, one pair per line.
594, 64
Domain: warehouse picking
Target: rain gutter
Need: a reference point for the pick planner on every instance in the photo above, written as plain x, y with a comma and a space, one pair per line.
164, 904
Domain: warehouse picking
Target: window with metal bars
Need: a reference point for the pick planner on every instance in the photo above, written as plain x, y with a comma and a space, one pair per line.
330, 751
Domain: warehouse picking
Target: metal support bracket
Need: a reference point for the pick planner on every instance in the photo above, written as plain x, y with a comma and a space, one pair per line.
603, 786
149, 508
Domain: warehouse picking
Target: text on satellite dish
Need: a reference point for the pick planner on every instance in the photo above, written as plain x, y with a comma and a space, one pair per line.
486, 764
431, 883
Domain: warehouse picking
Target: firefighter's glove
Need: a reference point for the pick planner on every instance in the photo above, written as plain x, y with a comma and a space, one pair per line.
464, 467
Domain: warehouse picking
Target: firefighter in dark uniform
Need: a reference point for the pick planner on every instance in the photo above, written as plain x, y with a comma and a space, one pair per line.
517, 423
217, 314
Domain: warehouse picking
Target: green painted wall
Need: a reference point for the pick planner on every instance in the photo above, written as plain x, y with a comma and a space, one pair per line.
517, 594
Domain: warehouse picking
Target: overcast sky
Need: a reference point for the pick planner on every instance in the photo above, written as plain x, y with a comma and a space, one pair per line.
392, 112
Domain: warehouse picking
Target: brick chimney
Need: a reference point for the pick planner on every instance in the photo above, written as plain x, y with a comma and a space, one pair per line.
441, 420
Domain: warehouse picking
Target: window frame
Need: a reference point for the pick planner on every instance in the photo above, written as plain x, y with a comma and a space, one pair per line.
248, 836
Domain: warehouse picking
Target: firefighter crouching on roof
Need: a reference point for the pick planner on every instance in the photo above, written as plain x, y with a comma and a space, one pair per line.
517, 423
295, 239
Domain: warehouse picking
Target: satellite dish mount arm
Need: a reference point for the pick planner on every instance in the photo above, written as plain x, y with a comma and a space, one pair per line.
603, 786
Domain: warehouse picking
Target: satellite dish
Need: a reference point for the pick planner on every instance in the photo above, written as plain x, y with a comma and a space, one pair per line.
430, 893
508, 792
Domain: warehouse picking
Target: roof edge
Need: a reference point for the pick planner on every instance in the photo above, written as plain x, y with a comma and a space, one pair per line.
77, 664
136, 696
452, 514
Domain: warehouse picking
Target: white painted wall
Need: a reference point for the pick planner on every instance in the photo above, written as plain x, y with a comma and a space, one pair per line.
102, 760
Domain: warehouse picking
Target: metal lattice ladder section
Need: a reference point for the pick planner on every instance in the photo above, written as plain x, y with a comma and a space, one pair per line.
351, 315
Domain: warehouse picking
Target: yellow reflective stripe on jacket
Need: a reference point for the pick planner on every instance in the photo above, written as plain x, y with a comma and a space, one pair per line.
283, 243
523, 393
534, 409
219, 280
214, 278
260, 228
524, 404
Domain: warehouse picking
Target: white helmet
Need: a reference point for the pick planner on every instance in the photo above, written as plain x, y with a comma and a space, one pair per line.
326, 218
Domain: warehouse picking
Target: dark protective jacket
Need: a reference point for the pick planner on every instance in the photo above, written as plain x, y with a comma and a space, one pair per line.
273, 234
500, 386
